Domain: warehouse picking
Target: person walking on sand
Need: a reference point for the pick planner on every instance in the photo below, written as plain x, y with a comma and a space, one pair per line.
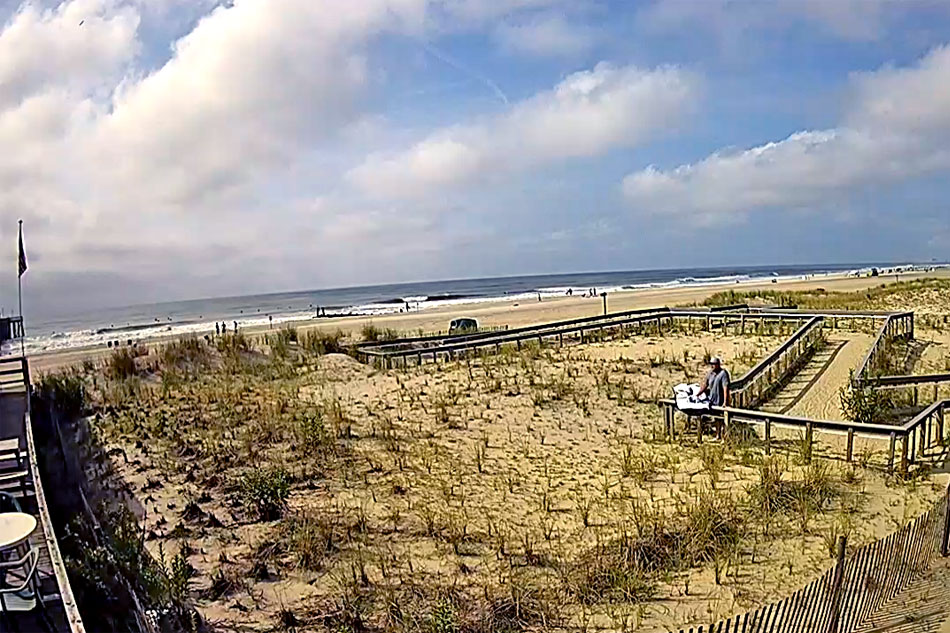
217, 329
716, 384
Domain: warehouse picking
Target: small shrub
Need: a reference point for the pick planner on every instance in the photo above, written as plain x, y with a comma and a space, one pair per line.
188, 351
65, 389
311, 431
121, 364
372, 333
233, 344
265, 491
865, 405
320, 343
312, 537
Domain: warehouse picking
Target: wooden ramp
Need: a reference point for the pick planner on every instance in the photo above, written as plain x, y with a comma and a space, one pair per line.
813, 392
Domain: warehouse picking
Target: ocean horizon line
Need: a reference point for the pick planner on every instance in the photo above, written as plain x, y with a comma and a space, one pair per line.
196, 316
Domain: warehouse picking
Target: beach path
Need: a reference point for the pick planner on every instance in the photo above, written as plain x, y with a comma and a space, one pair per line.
813, 391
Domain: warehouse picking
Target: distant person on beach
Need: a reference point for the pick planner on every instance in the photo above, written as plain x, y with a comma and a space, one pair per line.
716, 384
539, 297
224, 327
217, 329
235, 327
270, 320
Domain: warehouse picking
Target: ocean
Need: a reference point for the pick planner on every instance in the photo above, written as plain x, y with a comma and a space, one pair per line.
199, 316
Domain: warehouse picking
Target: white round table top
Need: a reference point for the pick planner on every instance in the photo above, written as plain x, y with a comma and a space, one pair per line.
15, 527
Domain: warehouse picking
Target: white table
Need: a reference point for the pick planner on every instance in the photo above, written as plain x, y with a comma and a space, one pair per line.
15, 527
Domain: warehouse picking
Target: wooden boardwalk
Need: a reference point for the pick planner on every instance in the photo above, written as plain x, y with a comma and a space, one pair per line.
813, 391
55, 590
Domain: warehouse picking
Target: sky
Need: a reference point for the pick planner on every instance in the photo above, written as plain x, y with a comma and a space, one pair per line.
170, 149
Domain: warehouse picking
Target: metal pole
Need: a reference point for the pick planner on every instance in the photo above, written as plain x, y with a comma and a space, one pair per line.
19, 291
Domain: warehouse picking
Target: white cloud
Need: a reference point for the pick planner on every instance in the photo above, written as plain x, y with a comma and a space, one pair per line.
896, 129
587, 114
545, 35
78, 45
105, 156
248, 88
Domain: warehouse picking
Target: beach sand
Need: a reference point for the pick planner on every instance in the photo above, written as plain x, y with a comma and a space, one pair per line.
476, 475
518, 313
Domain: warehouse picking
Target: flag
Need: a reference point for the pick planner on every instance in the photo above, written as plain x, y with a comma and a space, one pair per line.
22, 253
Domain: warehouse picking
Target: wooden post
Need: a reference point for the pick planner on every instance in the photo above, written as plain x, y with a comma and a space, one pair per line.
808, 441
945, 542
912, 436
727, 419
850, 443
903, 470
925, 440
768, 436
836, 587
742, 324
916, 395
940, 425
890, 453
560, 339
699, 429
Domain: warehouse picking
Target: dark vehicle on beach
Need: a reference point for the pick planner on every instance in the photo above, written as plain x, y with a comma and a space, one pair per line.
463, 326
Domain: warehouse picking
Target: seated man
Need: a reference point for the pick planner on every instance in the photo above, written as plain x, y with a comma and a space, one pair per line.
716, 384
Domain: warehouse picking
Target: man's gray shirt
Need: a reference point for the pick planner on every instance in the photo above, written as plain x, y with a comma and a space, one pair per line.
716, 383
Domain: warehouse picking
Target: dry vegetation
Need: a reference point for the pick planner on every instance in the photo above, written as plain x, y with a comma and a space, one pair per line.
282, 485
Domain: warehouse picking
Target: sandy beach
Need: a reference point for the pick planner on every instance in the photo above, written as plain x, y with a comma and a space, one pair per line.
519, 313
464, 483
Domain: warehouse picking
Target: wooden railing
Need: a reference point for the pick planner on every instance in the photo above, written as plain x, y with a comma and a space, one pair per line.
847, 595
15, 376
895, 326
760, 381
435, 348
916, 436
14, 373
389, 352
11, 328
528, 331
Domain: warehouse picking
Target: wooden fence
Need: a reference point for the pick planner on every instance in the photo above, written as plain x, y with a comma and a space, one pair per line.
847, 595
918, 438
760, 381
896, 326
399, 352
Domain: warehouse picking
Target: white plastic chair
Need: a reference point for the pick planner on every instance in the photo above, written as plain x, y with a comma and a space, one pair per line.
19, 592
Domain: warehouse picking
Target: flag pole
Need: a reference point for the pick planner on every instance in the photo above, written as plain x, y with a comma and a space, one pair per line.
19, 292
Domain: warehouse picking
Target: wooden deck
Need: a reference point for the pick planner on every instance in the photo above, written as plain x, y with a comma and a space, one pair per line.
54, 583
